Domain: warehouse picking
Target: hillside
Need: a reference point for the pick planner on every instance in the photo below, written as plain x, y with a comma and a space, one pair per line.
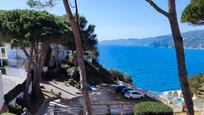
192, 39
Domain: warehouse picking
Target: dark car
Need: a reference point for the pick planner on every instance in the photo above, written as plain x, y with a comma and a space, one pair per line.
119, 88
125, 90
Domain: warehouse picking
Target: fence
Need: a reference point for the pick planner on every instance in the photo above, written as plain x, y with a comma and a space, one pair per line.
120, 108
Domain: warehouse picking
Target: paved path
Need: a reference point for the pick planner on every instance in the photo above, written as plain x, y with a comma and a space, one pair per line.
67, 92
69, 96
100, 97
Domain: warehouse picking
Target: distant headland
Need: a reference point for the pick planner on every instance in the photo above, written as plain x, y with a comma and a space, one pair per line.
192, 40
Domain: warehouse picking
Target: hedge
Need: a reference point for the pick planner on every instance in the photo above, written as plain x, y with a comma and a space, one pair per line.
115, 74
16, 109
7, 114
152, 108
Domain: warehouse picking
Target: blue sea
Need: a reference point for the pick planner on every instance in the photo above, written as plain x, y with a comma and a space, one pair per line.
153, 69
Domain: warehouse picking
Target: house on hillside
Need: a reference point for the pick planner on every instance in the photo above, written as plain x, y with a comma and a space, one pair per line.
12, 61
3, 55
11, 79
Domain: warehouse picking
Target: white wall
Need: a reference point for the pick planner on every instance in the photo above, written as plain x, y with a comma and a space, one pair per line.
1, 92
16, 72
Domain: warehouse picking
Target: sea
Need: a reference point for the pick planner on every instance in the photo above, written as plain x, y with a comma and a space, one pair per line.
152, 69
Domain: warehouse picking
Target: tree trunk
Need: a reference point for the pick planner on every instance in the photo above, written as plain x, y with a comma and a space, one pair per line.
179, 46
28, 79
57, 58
17, 62
26, 90
38, 68
36, 81
80, 59
178, 41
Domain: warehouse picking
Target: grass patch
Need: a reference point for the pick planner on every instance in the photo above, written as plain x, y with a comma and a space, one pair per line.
7, 114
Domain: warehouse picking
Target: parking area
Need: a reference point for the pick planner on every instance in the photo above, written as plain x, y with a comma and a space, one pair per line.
104, 100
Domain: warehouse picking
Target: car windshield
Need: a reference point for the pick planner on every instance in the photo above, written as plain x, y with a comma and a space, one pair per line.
121, 87
135, 93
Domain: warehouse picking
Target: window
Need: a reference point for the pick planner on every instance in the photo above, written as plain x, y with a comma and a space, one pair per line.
128, 93
3, 52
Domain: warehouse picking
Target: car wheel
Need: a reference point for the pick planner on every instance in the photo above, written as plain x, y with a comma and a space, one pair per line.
131, 97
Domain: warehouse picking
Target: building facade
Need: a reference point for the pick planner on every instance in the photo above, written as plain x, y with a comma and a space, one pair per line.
1, 92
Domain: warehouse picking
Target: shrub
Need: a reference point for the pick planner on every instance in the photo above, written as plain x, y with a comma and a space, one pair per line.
7, 114
97, 73
196, 82
152, 108
72, 82
170, 93
127, 78
16, 109
3, 70
121, 76
5, 63
21, 101
175, 94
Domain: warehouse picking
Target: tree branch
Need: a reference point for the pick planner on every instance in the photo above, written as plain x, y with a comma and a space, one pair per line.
156, 7
26, 53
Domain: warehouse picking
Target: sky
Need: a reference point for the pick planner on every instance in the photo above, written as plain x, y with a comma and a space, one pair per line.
119, 19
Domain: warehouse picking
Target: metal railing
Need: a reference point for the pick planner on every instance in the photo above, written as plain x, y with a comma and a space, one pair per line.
120, 108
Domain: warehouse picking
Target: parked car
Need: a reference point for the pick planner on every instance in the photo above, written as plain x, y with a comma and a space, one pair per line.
133, 94
118, 89
125, 90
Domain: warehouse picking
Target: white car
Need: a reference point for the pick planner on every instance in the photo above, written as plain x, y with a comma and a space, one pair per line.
133, 94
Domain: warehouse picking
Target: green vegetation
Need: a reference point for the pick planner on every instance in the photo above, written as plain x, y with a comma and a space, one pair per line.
72, 83
152, 108
16, 109
35, 30
194, 12
197, 83
95, 72
120, 76
7, 114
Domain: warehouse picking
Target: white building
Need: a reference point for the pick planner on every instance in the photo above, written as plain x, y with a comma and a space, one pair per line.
3, 55
1, 92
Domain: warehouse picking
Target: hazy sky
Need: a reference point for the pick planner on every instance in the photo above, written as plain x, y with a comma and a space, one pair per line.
115, 19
